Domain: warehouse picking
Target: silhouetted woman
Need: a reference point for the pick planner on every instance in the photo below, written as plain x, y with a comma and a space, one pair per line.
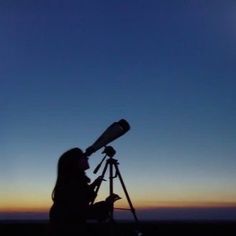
72, 194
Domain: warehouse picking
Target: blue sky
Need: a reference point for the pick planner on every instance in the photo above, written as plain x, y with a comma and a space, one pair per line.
68, 69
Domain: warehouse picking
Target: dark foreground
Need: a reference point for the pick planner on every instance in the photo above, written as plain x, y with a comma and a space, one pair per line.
162, 228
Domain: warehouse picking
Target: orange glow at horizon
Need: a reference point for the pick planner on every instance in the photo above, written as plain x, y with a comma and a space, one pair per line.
21, 203
184, 204
17, 207
38, 201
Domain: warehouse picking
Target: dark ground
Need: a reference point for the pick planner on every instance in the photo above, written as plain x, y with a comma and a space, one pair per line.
161, 228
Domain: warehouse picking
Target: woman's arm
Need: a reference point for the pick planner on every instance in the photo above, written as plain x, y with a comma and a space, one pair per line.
96, 182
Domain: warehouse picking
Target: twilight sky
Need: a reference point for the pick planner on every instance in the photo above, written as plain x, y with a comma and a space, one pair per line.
68, 69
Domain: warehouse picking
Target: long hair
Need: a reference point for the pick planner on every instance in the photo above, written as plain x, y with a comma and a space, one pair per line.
69, 171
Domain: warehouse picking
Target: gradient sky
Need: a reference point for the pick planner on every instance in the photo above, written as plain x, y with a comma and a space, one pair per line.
68, 69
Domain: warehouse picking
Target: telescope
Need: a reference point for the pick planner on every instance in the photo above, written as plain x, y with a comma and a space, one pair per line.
114, 131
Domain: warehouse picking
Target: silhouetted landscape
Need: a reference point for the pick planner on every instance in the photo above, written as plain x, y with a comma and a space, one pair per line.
190, 228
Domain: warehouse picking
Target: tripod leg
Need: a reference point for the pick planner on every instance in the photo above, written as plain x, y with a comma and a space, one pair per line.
111, 215
111, 188
138, 230
126, 193
102, 176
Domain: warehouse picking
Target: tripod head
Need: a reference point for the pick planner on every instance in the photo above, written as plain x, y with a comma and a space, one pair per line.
108, 151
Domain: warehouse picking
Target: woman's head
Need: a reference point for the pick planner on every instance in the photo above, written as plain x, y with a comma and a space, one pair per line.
72, 162
70, 172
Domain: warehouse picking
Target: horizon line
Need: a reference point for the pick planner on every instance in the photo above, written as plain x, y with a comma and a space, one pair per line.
43, 210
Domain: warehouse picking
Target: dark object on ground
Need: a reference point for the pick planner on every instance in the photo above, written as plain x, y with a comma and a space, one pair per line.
154, 228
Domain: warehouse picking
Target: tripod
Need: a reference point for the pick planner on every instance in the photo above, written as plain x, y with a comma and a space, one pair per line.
112, 164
